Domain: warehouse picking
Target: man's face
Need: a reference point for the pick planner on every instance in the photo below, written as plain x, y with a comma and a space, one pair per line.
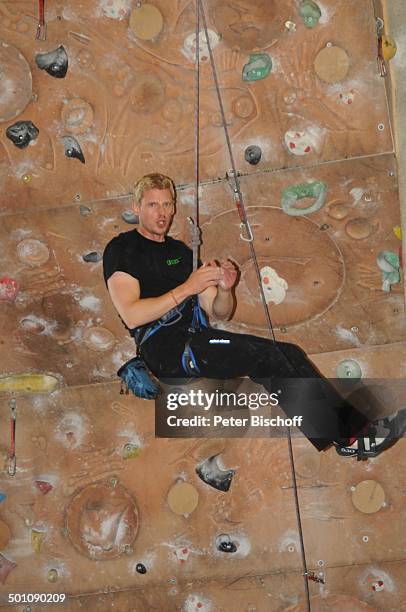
155, 212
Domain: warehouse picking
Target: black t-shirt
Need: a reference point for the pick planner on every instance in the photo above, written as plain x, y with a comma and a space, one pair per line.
158, 266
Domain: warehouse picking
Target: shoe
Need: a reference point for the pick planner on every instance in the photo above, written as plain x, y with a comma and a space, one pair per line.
378, 437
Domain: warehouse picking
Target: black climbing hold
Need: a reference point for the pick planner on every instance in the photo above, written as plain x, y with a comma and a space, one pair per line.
227, 547
141, 569
92, 257
72, 148
54, 62
209, 471
225, 544
21, 133
253, 154
84, 210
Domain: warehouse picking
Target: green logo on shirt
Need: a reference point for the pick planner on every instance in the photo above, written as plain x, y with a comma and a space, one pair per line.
173, 262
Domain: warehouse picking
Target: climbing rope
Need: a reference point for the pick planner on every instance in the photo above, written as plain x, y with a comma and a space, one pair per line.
195, 222
239, 201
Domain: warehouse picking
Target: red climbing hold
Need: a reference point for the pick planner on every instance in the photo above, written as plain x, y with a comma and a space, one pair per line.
8, 289
44, 486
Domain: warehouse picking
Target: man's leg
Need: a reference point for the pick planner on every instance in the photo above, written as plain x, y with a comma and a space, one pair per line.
280, 367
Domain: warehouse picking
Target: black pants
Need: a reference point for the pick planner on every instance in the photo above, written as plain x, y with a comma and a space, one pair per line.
278, 366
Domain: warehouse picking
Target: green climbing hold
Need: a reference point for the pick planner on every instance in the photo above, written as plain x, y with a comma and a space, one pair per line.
310, 13
131, 451
389, 264
291, 195
349, 368
258, 67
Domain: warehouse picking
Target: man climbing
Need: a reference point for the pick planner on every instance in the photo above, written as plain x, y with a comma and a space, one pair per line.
154, 289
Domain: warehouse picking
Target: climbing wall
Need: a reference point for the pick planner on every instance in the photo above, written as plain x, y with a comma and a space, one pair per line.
97, 508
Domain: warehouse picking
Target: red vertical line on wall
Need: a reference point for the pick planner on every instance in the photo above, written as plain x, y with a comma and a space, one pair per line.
12, 451
41, 27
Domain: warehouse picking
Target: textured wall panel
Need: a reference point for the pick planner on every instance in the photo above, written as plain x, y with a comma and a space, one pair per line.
130, 102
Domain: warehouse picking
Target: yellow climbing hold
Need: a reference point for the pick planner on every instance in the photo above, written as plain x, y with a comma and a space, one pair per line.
27, 178
29, 383
389, 47
397, 230
36, 539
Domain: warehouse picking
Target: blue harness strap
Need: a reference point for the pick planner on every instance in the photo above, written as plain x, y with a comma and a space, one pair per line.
199, 322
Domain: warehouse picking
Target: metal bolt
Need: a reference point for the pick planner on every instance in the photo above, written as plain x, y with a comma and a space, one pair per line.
381, 127
365, 538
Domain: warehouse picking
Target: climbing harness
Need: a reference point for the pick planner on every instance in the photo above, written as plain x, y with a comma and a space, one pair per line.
134, 374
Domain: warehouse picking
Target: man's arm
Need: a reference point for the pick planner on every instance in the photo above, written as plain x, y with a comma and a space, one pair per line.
125, 292
218, 301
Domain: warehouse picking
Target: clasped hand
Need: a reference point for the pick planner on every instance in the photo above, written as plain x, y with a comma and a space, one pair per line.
223, 275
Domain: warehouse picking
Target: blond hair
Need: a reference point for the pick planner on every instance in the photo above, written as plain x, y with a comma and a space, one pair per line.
153, 181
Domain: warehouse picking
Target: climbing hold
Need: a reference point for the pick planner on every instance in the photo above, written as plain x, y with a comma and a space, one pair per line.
274, 286
26, 178
290, 25
131, 451
116, 9
337, 210
209, 471
77, 116
347, 97
368, 496
253, 154
397, 230
4, 535
29, 383
140, 568
6, 566
349, 368
9, 289
92, 257
258, 67
44, 486
37, 537
291, 195
225, 544
389, 264
359, 229
16, 81
182, 553
183, 498
72, 148
102, 520
85, 211
299, 143
389, 47
55, 62
378, 586
34, 252
129, 217
189, 45
310, 13
52, 575
21, 133
146, 21
332, 64
2, 497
